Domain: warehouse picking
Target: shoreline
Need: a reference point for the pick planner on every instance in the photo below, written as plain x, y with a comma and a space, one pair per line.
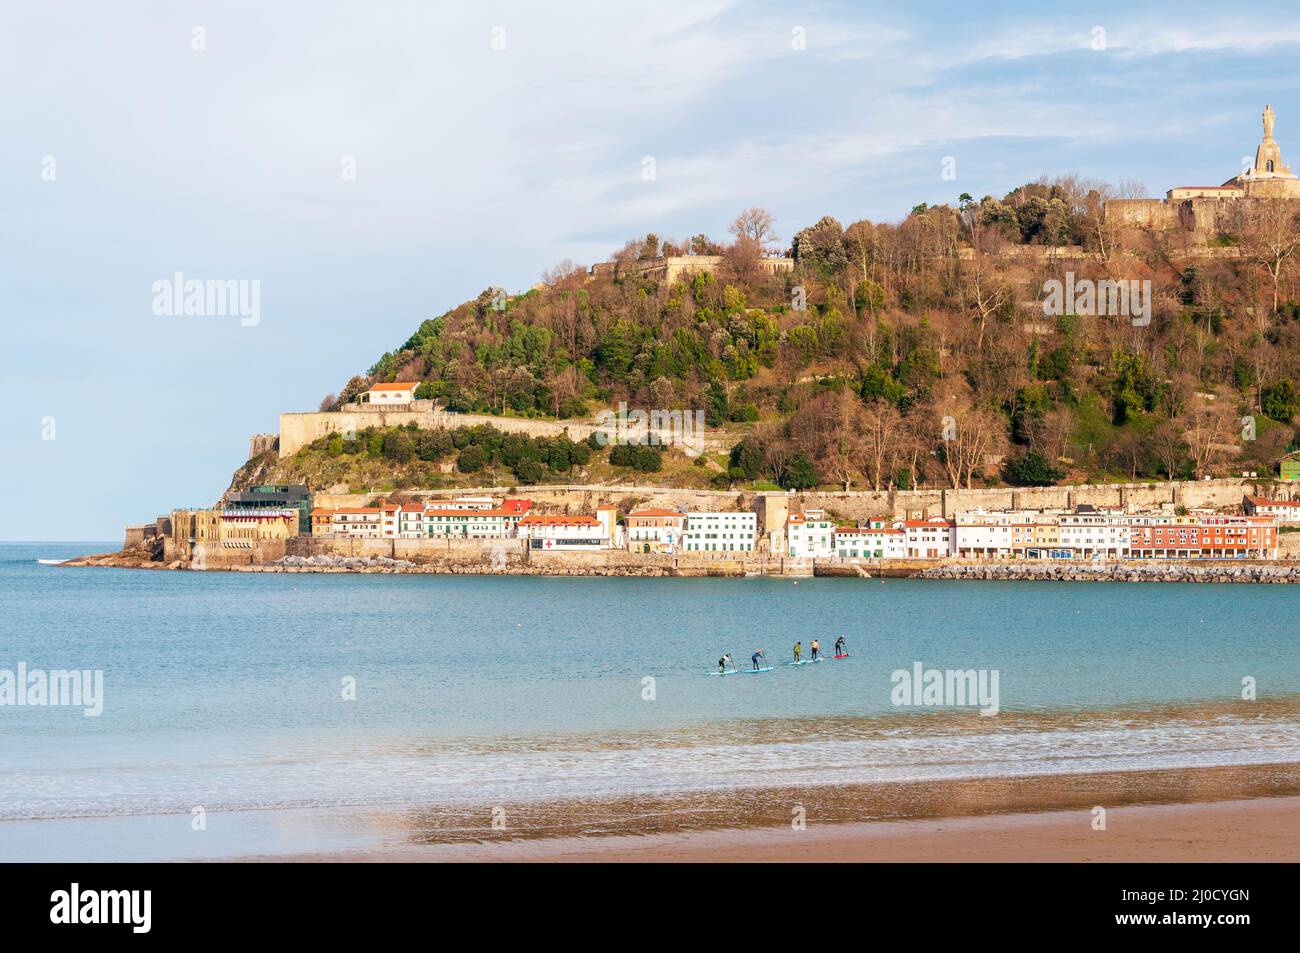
1263, 829
1273, 572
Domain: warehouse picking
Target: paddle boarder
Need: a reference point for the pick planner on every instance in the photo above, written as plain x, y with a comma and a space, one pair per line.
723, 662
816, 647
839, 647
798, 651
756, 658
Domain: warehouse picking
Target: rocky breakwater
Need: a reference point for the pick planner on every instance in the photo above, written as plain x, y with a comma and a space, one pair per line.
349, 563
1118, 572
486, 567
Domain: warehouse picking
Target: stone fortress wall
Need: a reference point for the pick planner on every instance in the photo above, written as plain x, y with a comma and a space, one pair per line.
860, 504
299, 429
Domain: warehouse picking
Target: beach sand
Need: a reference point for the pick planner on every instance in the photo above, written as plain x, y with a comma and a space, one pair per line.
1261, 829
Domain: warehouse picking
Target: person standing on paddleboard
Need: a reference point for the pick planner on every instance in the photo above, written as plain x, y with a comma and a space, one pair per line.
756, 657
798, 651
722, 662
816, 647
839, 646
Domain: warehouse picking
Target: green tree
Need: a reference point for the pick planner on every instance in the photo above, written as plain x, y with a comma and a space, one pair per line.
800, 474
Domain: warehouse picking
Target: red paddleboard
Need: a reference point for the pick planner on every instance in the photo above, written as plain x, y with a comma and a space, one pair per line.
845, 655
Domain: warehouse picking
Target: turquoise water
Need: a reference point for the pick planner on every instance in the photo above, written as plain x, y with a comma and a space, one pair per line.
226, 689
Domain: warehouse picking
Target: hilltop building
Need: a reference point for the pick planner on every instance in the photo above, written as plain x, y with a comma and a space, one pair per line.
1207, 209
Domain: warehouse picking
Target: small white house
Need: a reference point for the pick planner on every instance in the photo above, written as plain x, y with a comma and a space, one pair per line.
398, 392
930, 539
809, 535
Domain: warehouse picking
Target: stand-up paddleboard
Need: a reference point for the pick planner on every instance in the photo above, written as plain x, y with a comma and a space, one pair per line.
730, 671
756, 671
802, 661
845, 655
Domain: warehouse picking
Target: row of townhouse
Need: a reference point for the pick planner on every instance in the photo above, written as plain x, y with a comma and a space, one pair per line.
659, 530
1084, 533
813, 535
467, 518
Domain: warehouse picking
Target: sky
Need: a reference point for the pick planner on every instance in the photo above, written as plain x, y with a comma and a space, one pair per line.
372, 164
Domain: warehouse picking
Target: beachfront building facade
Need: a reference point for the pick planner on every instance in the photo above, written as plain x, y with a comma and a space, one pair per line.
934, 538
421, 520
809, 535
714, 532
655, 530
1287, 512
1089, 532
874, 539
564, 533
476, 522
357, 522
1203, 537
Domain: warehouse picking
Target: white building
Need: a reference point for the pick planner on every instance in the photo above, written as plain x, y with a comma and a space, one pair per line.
1287, 512
876, 540
809, 535
655, 530
358, 522
466, 522
564, 532
930, 539
720, 532
398, 392
1091, 532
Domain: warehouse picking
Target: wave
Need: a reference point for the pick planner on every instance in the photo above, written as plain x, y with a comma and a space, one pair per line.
737, 756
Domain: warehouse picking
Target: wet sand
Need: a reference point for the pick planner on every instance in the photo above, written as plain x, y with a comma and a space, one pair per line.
1259, 830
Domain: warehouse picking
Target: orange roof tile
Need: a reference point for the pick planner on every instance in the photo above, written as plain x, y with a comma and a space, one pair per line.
538, 519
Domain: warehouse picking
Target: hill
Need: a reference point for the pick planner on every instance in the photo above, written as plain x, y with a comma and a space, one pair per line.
891, 355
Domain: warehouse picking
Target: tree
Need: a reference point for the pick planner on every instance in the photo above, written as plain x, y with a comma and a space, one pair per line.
358, 385
1269, 230
755, 226
879, 443
1280, 400
1210, 435
820, 248
1032, 469
742, 261
800, 474
986, 289
971, 436
328, 403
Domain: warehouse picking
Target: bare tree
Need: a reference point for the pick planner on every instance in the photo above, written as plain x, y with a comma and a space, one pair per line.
754, 224
971, 436
879, 444
562, 272
986, 288
1270, 234
741, 262
328, 403
1210, 435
